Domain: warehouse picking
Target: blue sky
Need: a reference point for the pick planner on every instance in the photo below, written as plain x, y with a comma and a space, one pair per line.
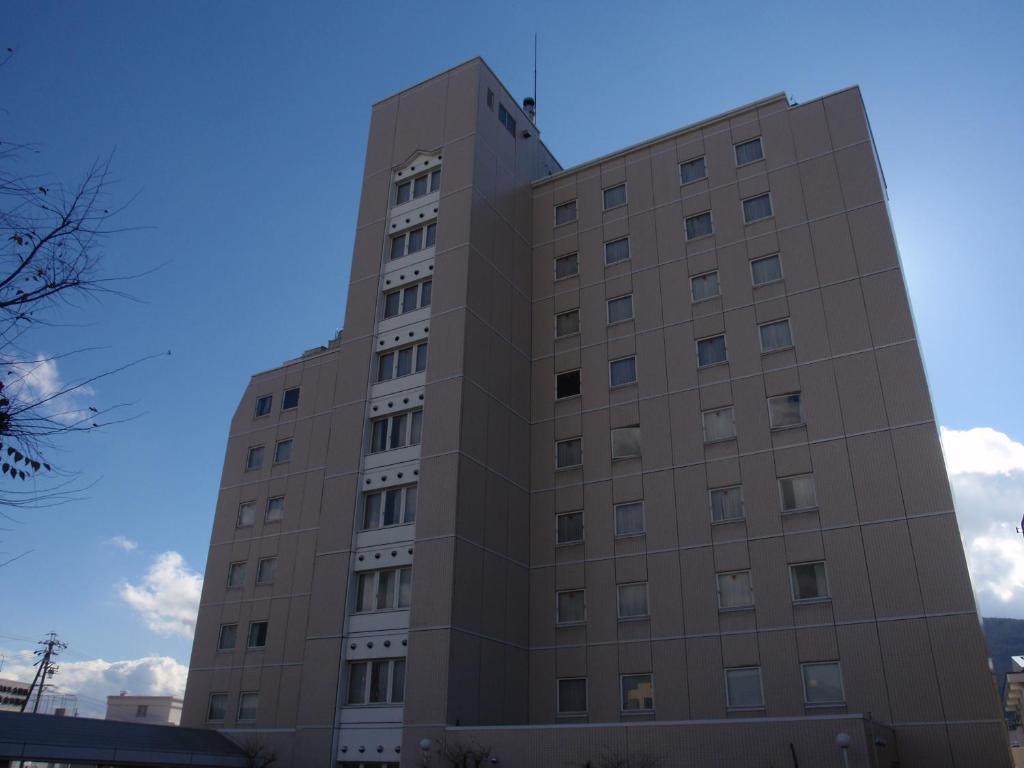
239, 129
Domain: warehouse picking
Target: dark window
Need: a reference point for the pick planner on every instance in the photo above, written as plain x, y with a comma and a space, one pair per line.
506, 119
398, 247
757, 208
572, 696
565, 213
567, 266
283, 452
228, 637
698, 226
265, 570
431, 235
255, 458
569, 453
435, 180
404, 193
419, 186
693, 170
567, 323
257, 634
291, 399
569, 528
567, 384
264, 404
766, 270
616, 251
621, 372
490, 99
218, 706
749, 152
711, 351
615, 196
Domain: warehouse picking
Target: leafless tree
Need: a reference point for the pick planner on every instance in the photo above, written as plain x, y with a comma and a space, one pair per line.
461, 754
258, 755
617, 757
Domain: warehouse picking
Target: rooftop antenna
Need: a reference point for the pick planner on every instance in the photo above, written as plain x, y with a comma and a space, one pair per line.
530, 102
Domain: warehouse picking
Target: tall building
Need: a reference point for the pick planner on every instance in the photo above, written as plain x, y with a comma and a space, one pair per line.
668, 483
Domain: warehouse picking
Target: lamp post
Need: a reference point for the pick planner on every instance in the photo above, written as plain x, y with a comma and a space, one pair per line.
843, 742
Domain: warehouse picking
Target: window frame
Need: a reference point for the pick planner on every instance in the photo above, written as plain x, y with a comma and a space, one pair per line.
570, 622
782, 496
579, 390
240, 565
725, 346
238, 518
425, 241
259, 568
559, 712
718, 285
750, 589
565, 314
760, 336
611, 381
743, 208
704, 428
682, 182
284, 398
414, 351
822, 598
574, 255
647, 602
575, 212
222, 699
711, 503
604, 197
643, 519
221, 648
391, 663
842, 683
248, 635
375, 573
736, 154
583, 528
241, 702
407, 430
779, 279
730, 706
269, 400
288, 441
403, 511
622, 693
608, 309
803, 416
255, 450
611, 436
686, 228
579, 440
270, 503
627, 257
400, 293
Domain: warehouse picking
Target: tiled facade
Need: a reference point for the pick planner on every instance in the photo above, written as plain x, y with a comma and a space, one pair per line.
669, 462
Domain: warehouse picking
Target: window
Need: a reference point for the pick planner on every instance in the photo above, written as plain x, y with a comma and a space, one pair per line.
704, 286
572, 696
490, 99
692, 170
275, 509
629, 518
254, 459
622, 372
569, 528
726, 503
775, 336
218, 708
808, 581
567, 384
797, 493
567, 323
506, 119
142, 710
785, 410
418, 187
637, 693
236, 574
247, 704
620, 309
396, 431
734, 590
567, 266
264, 405
283, 451
402, 362
743, 688
698, 226
749, 151
766, 270
757, 208
569, 453
615, 196
383, 590
246, 513
625, 442
257, 634
228, 637
633, 600
407, 299
616, 251
823, 683
711, 351
266, 570
571, 607
376, 682
413, 241
565, 213
394, 506
290, 399
719, 425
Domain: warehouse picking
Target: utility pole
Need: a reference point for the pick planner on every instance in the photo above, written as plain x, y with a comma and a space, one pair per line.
45, 667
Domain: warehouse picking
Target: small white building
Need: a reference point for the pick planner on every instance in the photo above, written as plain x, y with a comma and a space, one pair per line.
155, 710
12, 695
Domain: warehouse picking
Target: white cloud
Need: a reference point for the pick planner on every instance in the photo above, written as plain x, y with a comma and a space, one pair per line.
986, 471
39, 380
168, 597
93, 680
981, 450
123, 542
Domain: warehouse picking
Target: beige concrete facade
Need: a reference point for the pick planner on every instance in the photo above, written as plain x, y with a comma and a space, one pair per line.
668, 481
